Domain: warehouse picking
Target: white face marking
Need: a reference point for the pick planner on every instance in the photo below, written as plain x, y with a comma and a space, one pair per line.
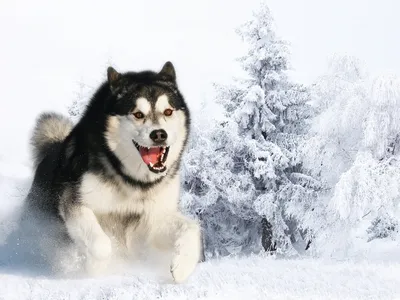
162, 104
143, 105
124, 129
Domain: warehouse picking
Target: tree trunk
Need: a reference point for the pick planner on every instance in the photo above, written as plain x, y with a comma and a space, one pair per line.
267, 236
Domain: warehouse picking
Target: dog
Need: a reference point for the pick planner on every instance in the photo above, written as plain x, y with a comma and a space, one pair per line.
112, 180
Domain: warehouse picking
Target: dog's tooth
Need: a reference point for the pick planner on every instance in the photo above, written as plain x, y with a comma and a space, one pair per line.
151, 165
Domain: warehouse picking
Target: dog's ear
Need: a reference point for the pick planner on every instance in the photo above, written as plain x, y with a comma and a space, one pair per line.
113, 77
168, 71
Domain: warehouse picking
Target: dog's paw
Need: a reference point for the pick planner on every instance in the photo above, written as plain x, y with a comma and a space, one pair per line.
101, 247
186, 256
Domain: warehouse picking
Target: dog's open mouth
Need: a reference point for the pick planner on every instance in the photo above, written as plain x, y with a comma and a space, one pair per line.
153, 157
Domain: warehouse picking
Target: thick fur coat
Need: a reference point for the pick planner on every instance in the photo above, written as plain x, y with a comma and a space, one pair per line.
112, 180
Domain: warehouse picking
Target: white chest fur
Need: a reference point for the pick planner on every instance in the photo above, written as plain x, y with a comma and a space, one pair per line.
105, 198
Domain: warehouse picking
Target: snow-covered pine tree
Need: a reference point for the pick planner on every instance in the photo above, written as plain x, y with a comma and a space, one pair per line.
246, 182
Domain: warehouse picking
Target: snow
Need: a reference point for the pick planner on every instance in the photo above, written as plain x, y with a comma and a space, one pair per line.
229, 278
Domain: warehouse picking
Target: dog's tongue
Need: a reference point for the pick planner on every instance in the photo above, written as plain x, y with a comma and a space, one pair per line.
151, 155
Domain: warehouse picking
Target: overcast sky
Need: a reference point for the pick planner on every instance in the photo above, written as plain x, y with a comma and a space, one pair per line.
49, 47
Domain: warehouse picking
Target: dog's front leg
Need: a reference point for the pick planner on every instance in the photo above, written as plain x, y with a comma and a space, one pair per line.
84, 228
184, 237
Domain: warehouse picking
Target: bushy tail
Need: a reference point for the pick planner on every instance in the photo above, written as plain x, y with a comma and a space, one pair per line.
50, 128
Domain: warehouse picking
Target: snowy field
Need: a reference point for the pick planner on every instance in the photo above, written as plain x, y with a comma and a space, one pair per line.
247, 278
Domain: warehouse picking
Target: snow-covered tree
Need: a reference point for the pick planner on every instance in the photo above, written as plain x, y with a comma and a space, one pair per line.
353, 149
246, 182
336, 130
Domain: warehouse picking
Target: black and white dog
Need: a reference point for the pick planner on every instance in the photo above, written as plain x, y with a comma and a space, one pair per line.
112, 180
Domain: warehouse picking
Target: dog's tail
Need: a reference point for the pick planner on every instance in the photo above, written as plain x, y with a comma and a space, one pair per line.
50, 128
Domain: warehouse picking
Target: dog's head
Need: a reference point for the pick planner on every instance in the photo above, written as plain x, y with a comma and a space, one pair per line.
148, 121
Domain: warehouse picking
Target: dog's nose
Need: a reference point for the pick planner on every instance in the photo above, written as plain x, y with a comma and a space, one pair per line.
159, 135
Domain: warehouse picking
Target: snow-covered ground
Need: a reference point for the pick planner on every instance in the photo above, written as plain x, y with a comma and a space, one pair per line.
247, 278
229, 278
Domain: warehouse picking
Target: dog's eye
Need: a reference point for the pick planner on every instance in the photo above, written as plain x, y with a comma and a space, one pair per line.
138, 115
168, 112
